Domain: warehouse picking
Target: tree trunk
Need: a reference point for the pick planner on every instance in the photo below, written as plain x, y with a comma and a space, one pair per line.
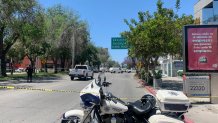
55, 66
1, 49
62, 64
3, 65
32, 62
12, 68
133, 63
46, 67
3, 52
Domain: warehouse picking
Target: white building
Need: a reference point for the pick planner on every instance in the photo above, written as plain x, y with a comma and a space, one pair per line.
206, 11
170, 67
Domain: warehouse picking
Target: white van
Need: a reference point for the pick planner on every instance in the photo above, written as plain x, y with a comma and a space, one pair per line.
115, 70
102, 69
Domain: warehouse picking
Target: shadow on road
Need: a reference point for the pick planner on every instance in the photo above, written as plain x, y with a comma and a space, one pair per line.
77, 79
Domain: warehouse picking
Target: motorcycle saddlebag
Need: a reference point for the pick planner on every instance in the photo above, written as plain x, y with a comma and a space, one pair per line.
172, 101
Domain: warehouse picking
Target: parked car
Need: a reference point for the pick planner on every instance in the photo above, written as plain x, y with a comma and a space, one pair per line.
132, 70
128, 71
102, 69
124, 69
95, 70
115, 70
19, 70
81, 71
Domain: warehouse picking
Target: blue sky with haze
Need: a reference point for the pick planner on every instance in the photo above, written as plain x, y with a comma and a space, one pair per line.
105, 17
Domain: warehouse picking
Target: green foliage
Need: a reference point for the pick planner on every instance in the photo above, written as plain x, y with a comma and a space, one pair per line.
156, 35
33, 35
66, 35
15, 14
90, 54
180, 73
177, 4
149, 78
157, 74
142, 76
16, 52
57, 33
112, 63
103, 54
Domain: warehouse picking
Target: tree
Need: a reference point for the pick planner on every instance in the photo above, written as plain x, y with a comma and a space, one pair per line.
129, 62
112, 63
56, 18
67, 35
155, 35
15, 54
33, 36
103, 55
90, 54
13, 15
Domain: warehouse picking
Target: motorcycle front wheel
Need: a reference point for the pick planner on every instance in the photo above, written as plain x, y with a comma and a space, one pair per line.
72, 119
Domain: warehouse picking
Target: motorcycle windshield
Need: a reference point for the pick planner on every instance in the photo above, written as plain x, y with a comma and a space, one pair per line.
90, 94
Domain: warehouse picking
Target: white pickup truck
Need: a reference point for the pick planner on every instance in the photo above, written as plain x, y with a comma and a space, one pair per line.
81, 71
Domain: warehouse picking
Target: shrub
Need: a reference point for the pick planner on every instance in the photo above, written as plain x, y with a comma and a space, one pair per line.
158, 74
148, 78
142, 74
180, 73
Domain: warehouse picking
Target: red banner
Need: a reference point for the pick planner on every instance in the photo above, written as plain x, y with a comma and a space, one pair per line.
202, 49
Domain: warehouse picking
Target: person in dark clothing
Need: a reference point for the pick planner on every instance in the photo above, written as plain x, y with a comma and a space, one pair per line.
29, 71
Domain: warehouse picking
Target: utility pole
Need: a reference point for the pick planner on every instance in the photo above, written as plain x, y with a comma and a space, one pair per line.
73, 49
74, 45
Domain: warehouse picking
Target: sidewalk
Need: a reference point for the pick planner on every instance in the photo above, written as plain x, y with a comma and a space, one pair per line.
200, 112
22, 83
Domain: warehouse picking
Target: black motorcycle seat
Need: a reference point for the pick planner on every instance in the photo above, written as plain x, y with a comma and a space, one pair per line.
140, 108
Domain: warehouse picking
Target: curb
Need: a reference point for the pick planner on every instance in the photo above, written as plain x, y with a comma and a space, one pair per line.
151, 90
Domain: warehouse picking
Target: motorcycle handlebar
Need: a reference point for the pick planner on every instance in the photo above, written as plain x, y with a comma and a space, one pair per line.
106, 84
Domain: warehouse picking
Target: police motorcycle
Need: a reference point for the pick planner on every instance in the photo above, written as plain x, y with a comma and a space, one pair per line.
103, 107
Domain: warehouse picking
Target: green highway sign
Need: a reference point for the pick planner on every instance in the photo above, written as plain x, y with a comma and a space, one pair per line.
118, 43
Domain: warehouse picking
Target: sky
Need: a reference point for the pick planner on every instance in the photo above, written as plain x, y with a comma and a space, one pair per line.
106, 17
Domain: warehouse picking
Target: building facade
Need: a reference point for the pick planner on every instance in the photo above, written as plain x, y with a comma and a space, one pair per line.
170, 66
206, 11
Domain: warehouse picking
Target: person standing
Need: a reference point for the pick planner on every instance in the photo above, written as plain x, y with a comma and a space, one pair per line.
29, 71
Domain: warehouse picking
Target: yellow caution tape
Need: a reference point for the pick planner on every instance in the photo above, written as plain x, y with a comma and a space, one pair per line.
73, 91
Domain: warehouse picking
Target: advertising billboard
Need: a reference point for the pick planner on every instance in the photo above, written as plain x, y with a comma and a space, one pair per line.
201, 48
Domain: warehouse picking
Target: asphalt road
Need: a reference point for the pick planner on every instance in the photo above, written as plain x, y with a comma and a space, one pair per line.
25, 106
